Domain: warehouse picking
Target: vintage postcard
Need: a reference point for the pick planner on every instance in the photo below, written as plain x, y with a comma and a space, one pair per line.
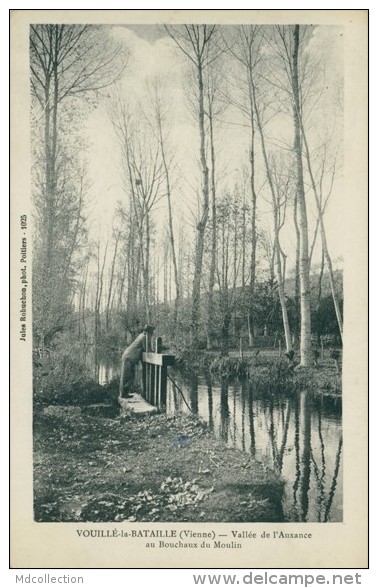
189, 289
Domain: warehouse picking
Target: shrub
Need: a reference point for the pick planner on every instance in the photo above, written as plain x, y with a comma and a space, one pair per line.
229, 367
191, 361
274, 376
64, 378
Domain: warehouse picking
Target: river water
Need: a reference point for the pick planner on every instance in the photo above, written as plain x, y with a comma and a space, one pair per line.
299, 436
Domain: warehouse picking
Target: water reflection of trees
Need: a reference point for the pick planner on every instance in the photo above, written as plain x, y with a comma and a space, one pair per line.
295, 442
193, 393
334, 481
224, 411
305, 440
309, 476
103, 364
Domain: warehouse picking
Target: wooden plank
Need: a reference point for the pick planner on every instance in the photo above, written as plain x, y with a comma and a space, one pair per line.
163, 387
156, 385
158, 402
152, 385
144, 379
164, 359
149, 384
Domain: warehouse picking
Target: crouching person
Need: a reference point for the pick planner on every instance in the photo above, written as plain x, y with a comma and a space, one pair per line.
130, 358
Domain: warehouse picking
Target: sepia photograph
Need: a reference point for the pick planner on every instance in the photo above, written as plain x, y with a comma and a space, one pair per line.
181, 275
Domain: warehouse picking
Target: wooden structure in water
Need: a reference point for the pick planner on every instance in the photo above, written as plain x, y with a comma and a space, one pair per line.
155, 366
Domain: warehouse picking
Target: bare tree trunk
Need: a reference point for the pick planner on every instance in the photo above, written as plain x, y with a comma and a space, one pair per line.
122, 283
277, 249
253, 215
170, 216
107, 312
96, 318
225, 333
165, 277
243, 278
245, 48
280, 283
320, 281
99, 289
223, 260
133, 268
201, 226
210, 302
75, 234
304, 269
323, 235
297, 262
146, 270
82, 303
195, 41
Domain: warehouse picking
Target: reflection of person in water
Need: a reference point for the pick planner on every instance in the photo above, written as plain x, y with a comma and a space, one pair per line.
130, 357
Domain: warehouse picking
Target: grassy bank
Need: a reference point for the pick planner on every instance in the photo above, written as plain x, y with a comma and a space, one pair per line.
267, 371
89, 467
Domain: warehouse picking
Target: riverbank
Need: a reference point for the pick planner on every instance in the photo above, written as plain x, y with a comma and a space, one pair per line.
267, 371
92, 466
